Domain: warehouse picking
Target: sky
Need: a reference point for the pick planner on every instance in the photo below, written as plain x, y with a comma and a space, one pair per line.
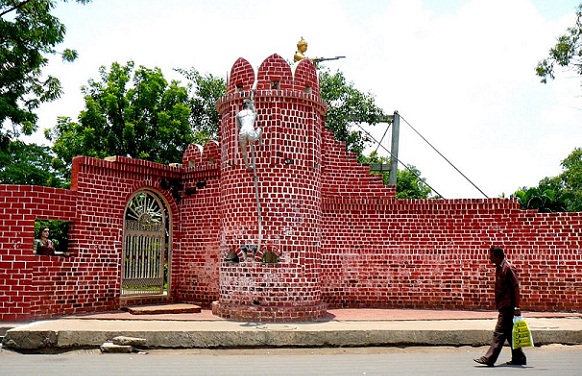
459, 72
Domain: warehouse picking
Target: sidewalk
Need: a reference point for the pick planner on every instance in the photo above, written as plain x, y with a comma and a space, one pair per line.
341, 328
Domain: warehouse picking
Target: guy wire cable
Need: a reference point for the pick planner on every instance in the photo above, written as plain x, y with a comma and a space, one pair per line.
399, 161
384, 135
439, 153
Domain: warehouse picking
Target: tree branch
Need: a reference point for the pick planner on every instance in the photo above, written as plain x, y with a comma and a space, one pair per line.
15, 7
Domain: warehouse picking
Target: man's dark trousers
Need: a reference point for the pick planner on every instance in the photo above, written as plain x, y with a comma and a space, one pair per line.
503, 332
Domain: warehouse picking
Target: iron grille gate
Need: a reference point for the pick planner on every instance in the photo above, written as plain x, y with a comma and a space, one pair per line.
144, 246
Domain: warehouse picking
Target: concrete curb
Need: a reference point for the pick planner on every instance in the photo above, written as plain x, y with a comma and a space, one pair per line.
68, 334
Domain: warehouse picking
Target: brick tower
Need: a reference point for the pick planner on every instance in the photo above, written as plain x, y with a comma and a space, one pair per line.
270, 244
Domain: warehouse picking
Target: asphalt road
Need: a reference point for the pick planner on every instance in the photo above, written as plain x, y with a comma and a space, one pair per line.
546, 360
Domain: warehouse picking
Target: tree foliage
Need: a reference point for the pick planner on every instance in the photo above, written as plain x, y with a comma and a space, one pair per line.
139, 115
571, 178
28, 33
129, 112
556, 194
540, 199
409, 183
28, 164
566, 53
348, 105
564, 192
204, 91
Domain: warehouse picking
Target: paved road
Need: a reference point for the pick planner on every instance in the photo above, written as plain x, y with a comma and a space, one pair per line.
546, 360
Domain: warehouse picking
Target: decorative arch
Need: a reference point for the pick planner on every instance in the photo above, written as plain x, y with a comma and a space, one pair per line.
306, 78
146, 248
192, 155
275, 74
242, 77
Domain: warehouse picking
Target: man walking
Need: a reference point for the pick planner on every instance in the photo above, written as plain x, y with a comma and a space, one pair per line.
507, 301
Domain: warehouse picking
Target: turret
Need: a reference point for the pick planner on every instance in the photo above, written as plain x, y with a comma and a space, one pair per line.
271, 200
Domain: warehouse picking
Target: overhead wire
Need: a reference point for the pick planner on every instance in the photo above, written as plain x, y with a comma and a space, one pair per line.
439, 153
382, 139
399, 161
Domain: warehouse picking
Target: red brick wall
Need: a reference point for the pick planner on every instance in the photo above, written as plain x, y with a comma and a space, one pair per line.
434, 254
89, 280
343, 238
32, 285
345, 177
196, 244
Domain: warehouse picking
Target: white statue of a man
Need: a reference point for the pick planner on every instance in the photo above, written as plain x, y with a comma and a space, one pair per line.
245, 123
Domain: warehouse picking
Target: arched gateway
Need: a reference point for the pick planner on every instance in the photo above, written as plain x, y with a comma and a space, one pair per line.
146, 245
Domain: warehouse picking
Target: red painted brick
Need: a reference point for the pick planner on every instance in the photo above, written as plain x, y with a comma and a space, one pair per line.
343, 239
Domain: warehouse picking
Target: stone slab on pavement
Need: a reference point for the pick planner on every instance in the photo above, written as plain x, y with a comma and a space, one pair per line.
162, 309
129, 341
109, 347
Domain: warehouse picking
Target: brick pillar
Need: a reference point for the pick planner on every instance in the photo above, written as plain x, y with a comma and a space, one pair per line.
270, 264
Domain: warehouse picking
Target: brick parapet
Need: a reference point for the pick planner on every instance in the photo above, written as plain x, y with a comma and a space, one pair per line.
342, 174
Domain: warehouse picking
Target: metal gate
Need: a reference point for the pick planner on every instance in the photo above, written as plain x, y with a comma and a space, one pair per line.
145, 244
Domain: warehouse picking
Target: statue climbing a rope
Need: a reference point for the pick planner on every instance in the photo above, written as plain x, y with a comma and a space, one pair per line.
247, 132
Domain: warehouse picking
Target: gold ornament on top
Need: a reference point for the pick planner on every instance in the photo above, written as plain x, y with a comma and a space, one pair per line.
302, 48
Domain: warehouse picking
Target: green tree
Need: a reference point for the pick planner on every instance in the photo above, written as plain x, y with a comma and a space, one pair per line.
204, 92
567, 51
348, 105
556, 194
121, 118
540, 199
28, 33
129, 112
572, 179
29, 164
409, 183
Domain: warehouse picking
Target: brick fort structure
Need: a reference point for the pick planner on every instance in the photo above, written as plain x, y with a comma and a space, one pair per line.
300, 228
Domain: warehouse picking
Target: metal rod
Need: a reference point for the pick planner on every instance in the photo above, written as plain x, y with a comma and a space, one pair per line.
258, 198
394, 149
